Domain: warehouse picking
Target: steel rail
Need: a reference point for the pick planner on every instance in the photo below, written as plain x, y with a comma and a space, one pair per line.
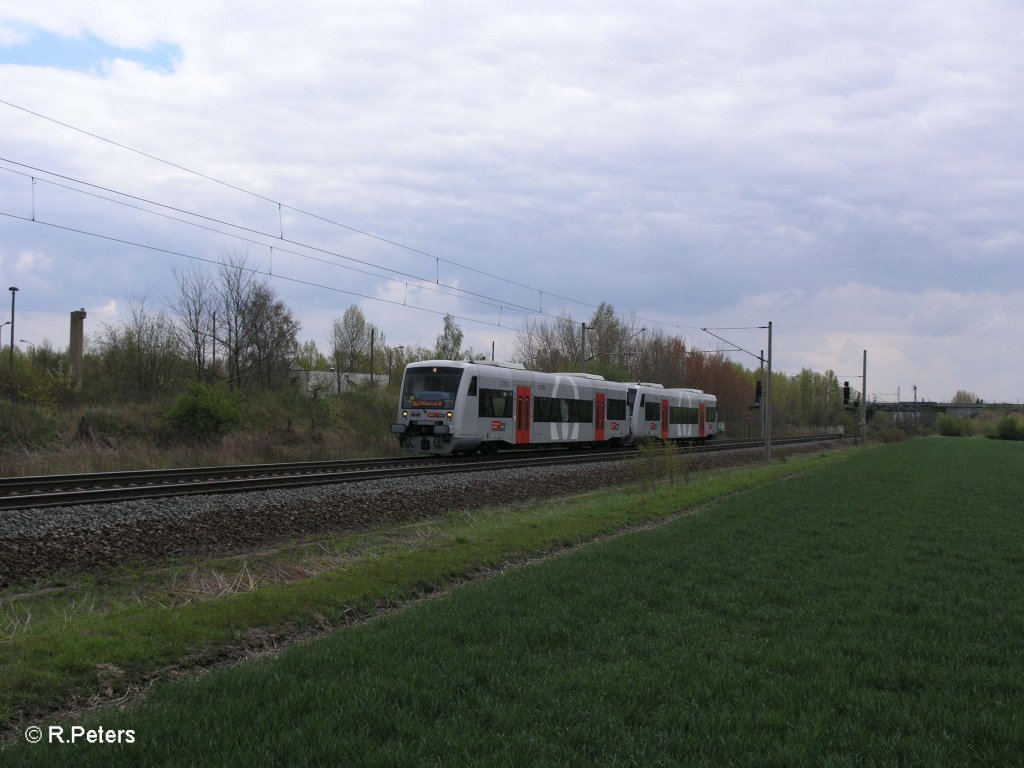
107, 487
153, 476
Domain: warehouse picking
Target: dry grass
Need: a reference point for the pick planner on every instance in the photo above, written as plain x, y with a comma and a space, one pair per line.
73, 457
16, 619
37, 439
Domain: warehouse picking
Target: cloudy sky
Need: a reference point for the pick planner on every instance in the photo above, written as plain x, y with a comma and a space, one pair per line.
851, 172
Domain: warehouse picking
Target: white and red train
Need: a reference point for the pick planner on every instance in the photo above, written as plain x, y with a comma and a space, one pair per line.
448, 406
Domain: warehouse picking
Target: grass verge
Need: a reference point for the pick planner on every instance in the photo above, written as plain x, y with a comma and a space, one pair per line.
99, 635
869, 612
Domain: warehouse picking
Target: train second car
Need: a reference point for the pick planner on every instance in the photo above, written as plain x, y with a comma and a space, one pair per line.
449, 406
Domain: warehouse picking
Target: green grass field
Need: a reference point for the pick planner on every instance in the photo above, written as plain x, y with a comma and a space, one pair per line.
862, 612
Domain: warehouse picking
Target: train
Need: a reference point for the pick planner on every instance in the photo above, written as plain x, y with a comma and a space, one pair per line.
451, 407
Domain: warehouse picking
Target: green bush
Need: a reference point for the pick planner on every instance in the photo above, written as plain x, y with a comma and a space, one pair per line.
953, 427
367, 412
659, 459
27, 425
1010, 427
204, 412
890, 434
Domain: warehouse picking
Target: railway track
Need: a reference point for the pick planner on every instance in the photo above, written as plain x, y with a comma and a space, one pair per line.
106, 487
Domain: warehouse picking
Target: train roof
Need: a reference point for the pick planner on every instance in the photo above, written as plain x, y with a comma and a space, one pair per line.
463, 363
500, 364
574, 374
592, 376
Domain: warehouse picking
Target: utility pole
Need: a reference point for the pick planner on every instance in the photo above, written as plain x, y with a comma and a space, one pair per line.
583, 347
760, 372
213, 378
766, 388
864, 399
13, 289
768, 402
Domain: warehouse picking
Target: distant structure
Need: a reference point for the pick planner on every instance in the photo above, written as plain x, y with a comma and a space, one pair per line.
326, 382
76, 347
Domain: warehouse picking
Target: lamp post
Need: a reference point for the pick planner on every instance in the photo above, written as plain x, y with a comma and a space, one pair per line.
14, 290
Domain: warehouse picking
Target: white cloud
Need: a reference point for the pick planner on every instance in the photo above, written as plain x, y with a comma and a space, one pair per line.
841, 168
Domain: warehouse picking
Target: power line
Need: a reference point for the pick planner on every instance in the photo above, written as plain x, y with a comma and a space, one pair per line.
421, 283
419, 286
252, 270
158, 249
319, 217
278, 203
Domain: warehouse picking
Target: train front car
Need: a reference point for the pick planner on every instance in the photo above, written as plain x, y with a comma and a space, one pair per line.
449, 406
430, 407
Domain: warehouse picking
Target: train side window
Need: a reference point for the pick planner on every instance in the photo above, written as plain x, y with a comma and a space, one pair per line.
581, 411
652, 411
616, 410
472, 387
562, 410
495, 403
682, 415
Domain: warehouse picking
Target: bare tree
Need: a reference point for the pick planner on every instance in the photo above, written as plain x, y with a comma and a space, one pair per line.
142, 357
549, 345
258, 333
349, 342
195, 307
235, 284
271, 336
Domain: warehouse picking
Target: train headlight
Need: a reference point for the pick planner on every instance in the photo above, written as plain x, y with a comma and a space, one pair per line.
449, 414
405, 414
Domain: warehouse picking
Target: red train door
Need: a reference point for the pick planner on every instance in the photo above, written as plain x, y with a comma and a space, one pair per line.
703, 418
522, 415
664, 419
599, 417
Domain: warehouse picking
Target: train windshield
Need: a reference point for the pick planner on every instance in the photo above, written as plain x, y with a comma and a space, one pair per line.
431, 387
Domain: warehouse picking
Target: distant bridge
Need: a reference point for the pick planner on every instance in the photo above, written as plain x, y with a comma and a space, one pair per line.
958, 410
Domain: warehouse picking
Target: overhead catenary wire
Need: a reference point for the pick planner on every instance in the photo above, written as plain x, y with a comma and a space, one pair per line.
309, 283
252, 270
280, 205
422, 283
138, 203
298, 281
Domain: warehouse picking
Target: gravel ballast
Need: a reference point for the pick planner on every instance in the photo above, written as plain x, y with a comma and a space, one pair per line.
40, 542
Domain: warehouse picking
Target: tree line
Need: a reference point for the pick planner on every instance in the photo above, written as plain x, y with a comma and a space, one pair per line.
621, 349
227, 326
